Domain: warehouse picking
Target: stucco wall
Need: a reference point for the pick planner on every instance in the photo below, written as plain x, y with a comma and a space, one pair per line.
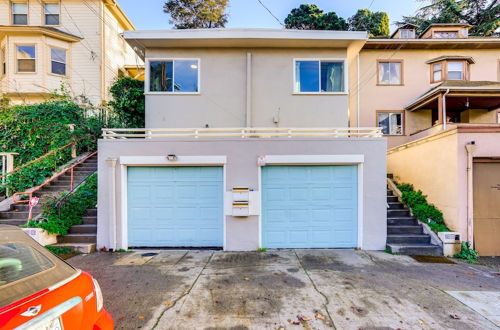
222, 98
242, 170
416, 81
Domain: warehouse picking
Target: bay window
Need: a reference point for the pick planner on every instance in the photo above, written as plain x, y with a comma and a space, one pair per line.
319, 76
58, 61
26, 58
455, 70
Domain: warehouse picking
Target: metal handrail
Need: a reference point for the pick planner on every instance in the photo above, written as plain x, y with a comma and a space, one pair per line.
62, 200
245, 132
71, 169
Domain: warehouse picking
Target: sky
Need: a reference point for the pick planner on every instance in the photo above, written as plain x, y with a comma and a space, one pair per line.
148, 14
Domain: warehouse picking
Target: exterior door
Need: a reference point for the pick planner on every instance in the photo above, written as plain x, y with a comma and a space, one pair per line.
487, 208
309, 206
175, 206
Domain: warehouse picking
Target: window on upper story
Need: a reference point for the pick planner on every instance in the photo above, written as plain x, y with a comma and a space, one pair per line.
455, 70
3, 54
174, 76
26, 58
391, 122
407, 34
445, 34
52, 13
58, 61
448, 70
20, 13
390, 72
319, 76
437, 72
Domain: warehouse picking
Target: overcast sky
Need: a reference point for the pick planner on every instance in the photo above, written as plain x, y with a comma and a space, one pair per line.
148, 14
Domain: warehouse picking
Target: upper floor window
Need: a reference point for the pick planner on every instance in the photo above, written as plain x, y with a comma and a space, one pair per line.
174, 76
448, 70
437, 72
58, 61
20, 13
407, 34
445, 34
319, 76
455, 70
391, 122
26, 58
390, 73
4, 61
52, 11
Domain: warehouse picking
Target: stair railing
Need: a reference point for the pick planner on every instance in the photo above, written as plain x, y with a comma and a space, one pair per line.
62, 201
46, 182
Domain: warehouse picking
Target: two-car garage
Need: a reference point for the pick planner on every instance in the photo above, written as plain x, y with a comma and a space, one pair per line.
301, 206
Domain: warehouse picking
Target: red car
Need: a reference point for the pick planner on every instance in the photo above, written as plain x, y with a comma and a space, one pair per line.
40, 291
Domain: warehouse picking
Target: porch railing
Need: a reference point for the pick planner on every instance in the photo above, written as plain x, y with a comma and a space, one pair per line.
250, 132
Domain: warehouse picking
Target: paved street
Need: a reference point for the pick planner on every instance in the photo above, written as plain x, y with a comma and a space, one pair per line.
287, 289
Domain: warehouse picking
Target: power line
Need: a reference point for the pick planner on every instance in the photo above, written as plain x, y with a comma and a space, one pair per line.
270, 12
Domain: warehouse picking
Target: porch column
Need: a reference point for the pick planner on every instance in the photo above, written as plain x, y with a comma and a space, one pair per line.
440, 109
112, 210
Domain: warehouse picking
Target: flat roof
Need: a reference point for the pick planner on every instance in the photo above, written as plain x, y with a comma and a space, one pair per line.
244, 38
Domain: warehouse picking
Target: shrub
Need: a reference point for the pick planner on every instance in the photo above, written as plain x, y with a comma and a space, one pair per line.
413, 198
71, 212
428, 211
128, 101
467, 253
405, 187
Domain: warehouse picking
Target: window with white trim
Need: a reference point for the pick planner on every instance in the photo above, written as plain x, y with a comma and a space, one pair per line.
437, 72
407, 34
20, 13
319, 76
174, 76
455, 70
391, 122
58, 61
26, 58
3, 54
52, 13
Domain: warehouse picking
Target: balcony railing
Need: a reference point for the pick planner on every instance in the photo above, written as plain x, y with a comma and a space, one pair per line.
251, 132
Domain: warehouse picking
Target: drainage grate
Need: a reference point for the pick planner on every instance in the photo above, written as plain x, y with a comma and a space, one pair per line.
433, 260
149, 254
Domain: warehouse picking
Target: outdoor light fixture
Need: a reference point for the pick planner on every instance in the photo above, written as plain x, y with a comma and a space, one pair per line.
172, 158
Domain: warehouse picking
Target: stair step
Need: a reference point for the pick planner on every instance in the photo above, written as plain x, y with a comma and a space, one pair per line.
77, 238
80, 247
85, 169
14, 215
24, 208
53, 189
395, 205
92, 212
12, 222
391, 199
409, 239
390, 193
89, 220
401, 230
83, 229
398, 213
60, 183
416, 249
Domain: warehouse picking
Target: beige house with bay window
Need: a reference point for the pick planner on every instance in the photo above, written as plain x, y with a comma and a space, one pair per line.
45, 45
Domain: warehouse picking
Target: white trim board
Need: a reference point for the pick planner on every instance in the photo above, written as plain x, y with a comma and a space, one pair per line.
181, 160
313, 159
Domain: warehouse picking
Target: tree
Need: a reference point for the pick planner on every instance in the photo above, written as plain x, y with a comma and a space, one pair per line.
310, 17
197, 14
483, 15
128, 101
376, 23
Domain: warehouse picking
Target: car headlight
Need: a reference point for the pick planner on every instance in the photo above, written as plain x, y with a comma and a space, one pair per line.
98, 295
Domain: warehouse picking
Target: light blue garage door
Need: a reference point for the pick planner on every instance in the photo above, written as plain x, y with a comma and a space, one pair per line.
175, 206
309, 206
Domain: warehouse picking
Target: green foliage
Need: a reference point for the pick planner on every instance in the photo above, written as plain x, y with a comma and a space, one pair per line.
128, 101
483, 15
71, 212
376, 23
467, 253
197, 14
310, 17
261, 249
121, 250
58, 250
421, 209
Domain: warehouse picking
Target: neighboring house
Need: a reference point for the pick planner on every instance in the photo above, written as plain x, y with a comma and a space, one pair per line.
247, 145
437, 99
75, 43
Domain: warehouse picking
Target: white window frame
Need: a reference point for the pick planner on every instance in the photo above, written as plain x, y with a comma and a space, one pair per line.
35, 59
380, 62
3, 61
346, 82
411, 33
390, 126
27, 12
448, 70
44, 13
147, 83
65, 64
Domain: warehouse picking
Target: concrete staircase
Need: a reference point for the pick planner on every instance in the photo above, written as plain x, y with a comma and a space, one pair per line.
18, 213
82, 237
405, 234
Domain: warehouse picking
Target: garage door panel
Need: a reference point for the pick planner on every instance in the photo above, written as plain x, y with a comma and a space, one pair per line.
309, 206
175, 206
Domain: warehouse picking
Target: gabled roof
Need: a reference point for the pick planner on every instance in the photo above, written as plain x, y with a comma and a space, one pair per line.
120, 15
407, 26
459, 25
443, 58
45, 30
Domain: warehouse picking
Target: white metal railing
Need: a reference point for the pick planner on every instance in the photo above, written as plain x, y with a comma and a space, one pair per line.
250, 132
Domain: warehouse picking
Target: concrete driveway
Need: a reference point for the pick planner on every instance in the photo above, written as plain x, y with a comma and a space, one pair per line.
286, 289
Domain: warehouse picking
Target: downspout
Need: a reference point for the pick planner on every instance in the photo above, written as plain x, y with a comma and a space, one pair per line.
249, 91
471, 148
444, 108
357, 92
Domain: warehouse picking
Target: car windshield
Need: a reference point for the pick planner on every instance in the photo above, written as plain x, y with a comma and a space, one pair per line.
26, 267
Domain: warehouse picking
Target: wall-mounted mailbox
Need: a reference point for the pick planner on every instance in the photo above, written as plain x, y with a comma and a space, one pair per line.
241, 209
241, 194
